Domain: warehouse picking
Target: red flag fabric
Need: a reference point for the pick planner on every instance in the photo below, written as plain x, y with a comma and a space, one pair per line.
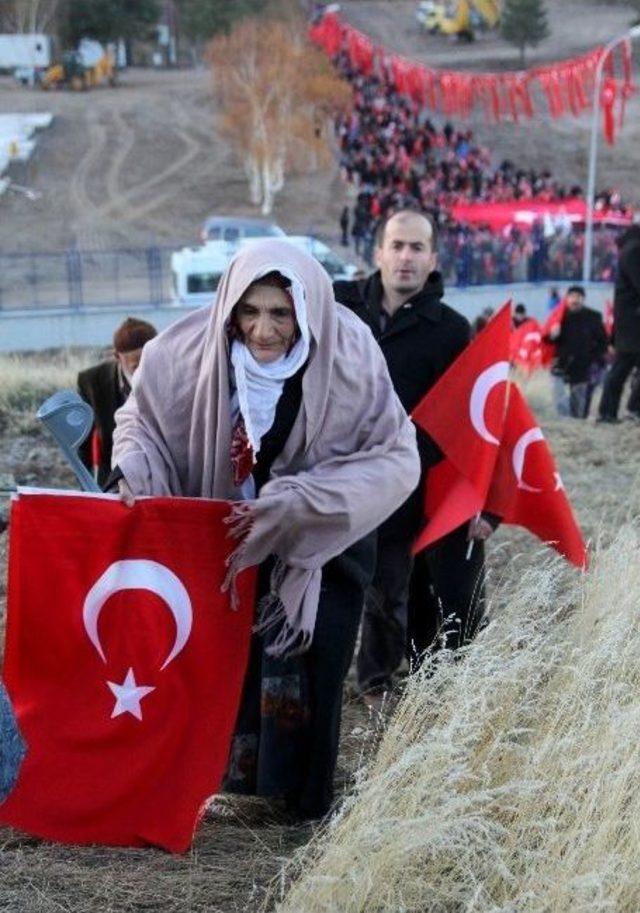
526, 346
608, 318
527, 490
554, 320
464, 414
125, 665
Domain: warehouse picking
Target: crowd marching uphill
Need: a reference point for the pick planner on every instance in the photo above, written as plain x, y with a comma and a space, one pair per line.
395, 156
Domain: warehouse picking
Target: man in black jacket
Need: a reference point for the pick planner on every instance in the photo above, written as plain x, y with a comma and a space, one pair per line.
580, 343
626, 328
105, 387
420, 337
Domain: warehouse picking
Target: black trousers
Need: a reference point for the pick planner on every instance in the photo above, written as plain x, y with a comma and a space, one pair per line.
436, 600
288, 728
447, 595
623, 365
383, 641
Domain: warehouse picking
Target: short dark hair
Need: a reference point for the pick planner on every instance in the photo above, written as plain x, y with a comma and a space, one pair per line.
576, 290
520, 308
133, 334
382, 225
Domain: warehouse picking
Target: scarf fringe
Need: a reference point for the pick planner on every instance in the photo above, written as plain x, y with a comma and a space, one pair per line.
289, 641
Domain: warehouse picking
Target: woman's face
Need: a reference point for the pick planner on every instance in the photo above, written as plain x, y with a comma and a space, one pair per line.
266, 321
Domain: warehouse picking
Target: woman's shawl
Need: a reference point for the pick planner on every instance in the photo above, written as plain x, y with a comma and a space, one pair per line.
349, 462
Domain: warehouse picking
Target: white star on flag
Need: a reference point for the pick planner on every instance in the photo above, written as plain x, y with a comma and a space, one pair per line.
128, 696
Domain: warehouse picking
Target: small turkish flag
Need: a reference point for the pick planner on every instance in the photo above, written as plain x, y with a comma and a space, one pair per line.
527, 489
553, 321
464, 414
125, 664
526, 346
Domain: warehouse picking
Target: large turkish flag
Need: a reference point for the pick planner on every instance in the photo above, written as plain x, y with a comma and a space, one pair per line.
124, 663
527, 489
464, 414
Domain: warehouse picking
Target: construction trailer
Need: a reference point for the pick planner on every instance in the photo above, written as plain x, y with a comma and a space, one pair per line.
30, 50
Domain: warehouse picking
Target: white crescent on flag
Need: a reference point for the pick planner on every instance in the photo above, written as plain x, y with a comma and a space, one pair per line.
519, 455
488, 379
140, 574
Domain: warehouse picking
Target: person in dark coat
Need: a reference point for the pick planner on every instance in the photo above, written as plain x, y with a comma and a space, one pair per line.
344, 226
420, 336
626, 312
580, 342
106, 387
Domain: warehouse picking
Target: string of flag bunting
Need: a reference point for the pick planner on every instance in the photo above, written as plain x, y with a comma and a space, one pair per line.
567, 86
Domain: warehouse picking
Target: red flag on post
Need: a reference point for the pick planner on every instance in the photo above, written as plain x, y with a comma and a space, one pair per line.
527, 490
125, 665
464, 414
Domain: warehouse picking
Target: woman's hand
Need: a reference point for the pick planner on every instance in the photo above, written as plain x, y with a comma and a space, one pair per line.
126, 495
239, 520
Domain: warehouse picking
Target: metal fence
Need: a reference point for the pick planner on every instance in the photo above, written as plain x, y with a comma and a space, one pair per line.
75, 279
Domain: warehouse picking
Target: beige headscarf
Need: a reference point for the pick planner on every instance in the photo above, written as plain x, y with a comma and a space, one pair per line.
349, 462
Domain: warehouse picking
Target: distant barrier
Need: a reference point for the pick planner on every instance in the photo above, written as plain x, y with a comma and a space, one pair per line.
76, 279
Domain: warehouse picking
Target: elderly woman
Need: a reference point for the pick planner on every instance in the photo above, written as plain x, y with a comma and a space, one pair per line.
278, 399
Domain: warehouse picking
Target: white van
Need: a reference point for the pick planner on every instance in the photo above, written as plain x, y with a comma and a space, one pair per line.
196, 271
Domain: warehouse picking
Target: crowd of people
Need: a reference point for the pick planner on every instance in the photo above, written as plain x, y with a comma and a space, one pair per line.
395, 156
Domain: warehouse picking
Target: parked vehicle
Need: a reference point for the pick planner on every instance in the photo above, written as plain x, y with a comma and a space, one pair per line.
229, 228
30, 51
334, 265
196, 271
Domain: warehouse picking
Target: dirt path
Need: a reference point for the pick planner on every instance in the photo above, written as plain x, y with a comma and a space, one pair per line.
137, 164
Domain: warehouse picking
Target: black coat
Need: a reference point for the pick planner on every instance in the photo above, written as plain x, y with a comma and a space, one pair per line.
581, 344
101, 387
626, 301
419, 343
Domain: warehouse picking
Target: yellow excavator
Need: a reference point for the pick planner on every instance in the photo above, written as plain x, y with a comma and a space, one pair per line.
437, 17
72, 72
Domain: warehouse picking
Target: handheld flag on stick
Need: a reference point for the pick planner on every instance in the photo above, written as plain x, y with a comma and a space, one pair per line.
464, 414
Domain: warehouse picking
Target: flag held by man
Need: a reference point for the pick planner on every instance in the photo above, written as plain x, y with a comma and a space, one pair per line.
526, 488
464, 414
124, 662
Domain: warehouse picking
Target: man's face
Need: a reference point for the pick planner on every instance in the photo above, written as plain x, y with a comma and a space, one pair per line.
267, 324
129, 362
574, 301
405, 257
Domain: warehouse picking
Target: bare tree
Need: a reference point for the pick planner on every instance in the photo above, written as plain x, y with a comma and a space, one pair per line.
29, 16
276, 94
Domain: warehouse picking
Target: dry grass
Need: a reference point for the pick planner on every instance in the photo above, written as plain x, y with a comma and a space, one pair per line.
27, 380
510, 781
